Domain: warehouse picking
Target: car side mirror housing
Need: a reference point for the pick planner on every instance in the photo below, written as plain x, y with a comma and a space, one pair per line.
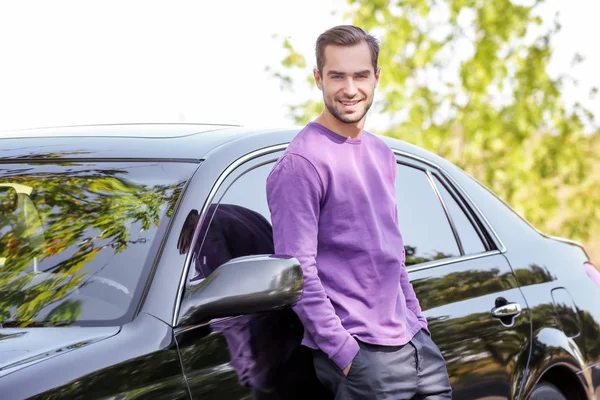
242, 286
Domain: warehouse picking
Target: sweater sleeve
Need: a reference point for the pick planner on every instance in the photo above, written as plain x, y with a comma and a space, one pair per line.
411, 298
294, 195
409, 293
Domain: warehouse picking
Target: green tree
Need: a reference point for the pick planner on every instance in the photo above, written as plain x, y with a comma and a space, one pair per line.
468, 80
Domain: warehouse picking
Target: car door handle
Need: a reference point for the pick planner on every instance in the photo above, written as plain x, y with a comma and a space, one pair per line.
507, 310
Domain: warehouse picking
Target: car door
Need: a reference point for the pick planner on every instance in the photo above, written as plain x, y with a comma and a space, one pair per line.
250, 356
464, 284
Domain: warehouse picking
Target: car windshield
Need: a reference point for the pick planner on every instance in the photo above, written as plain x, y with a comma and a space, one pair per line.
77, 240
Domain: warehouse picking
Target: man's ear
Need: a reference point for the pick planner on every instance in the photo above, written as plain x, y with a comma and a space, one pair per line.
377, 73
318, 79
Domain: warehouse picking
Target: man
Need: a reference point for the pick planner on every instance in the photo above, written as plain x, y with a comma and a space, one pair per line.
332, 201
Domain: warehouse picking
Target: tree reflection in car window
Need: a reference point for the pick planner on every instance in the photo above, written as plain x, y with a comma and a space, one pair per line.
436, 291
74, 249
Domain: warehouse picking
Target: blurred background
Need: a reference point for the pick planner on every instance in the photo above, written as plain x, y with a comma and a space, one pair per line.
506, 89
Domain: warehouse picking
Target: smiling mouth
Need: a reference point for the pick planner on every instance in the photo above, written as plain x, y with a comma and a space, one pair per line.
349, 103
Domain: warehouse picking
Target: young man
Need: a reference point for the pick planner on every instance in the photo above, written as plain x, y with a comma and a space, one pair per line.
332, 201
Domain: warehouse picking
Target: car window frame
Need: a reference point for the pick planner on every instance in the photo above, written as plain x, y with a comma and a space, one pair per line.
492, 238
493, 243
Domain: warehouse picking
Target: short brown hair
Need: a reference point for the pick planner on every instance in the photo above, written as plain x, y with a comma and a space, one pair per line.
345, 35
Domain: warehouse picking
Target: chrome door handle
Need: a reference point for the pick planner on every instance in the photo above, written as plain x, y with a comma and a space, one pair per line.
507, 310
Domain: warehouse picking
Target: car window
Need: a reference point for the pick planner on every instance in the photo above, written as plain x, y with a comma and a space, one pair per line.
249, 191
75, 238
469, 238
421, 218
239, 224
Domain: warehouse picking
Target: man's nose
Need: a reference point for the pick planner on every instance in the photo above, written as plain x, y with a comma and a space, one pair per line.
350, 89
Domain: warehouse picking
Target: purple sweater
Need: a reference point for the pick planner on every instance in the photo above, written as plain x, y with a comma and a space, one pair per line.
333, 207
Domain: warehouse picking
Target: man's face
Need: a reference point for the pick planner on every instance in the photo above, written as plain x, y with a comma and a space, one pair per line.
348, 81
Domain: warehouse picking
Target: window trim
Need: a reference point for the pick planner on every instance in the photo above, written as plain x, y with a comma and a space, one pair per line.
446, 211
450, 260
464, 207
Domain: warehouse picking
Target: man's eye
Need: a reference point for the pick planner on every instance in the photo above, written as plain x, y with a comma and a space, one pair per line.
362, 76
337, 77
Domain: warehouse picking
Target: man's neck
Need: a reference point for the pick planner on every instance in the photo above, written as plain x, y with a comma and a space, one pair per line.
352, 131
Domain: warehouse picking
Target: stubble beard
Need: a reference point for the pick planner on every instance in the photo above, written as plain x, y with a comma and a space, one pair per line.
344, 119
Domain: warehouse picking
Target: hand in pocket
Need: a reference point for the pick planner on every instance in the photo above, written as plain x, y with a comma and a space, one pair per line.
347, 369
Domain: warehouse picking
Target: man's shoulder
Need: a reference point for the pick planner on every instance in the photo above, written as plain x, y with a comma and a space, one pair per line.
377, 143
297, 163
307, 144
302, 158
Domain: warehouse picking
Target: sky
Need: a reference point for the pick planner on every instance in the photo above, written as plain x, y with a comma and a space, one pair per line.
84, 62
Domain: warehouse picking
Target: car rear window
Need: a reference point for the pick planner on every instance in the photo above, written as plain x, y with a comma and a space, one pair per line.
77, 239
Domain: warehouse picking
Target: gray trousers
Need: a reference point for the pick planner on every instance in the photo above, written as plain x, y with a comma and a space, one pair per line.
416, 370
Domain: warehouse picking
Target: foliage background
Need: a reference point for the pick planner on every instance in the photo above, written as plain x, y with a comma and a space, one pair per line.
469, 80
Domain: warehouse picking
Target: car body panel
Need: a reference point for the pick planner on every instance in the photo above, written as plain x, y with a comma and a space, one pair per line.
19, 347
141, 360
143, 141
483, 355
542, 264
218, 358
562, 265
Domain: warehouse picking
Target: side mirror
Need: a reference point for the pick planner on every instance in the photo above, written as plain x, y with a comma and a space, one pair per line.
8, 200
241, 286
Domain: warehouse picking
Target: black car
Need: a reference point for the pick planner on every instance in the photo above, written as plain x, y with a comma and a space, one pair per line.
136, 261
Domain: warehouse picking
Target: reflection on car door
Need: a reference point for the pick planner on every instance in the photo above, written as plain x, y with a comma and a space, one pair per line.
251, 356
459, 278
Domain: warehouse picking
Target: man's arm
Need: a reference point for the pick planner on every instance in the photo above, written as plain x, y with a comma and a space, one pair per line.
409, 293
411, 298
294, 193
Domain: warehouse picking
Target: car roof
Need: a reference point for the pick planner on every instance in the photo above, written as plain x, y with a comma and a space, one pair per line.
116, 141
171, 141
148, 130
